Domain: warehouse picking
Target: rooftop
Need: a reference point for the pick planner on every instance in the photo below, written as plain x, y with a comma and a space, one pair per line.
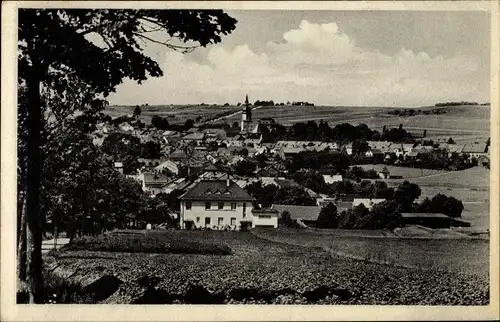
216, 190
300, 212
423, 215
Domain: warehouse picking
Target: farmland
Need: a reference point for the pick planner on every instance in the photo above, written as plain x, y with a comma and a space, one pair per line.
261, 271
471, 186
174, 113
455, 255
465, 123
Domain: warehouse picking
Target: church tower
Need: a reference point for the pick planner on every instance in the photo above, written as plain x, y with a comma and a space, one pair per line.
246, 116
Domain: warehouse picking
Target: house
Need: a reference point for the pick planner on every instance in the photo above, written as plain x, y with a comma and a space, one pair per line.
402, 149
266, 217
154, 183
125, 127
149, 163
307, 215
344, 202
177, 184
383, 146
119, 167
169, 165
216, 204
217, 134
367, 202
195, 137
374, 153
431, 220
348, 149
475, 150
412, 155
324, 200
332, 179
483, 160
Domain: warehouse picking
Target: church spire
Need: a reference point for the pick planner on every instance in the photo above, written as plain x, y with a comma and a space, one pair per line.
246, 100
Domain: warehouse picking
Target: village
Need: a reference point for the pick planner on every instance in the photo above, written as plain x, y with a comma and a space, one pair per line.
209, 167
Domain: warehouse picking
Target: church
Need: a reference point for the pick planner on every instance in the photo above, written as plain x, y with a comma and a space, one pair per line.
250, 128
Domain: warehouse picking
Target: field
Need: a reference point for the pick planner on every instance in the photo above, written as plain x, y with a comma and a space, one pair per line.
175, 113
405, 172
454, 255
471, 186
463, 123
262, 271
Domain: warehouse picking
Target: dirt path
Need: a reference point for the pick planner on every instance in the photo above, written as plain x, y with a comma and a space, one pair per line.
231, 115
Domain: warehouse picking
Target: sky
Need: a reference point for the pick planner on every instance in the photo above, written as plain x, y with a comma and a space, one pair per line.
339, 58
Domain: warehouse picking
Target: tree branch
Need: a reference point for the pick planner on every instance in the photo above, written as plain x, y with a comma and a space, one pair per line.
183, 49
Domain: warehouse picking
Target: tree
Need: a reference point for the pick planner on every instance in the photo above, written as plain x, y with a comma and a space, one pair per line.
188, 124
285, 219
261, 159
159, 122
450, 141
293, 195
359, 147
386, 215
328, 217
137, 111
245, 168
55, 47
406, 194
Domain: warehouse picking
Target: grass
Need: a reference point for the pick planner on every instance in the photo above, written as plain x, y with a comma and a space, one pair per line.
454, 255
265, 272
125, 242
405, 172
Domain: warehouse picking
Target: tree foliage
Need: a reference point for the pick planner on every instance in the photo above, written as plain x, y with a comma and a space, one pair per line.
98, 48
328, 217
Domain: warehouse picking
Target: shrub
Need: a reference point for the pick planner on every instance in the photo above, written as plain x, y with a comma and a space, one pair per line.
146, 243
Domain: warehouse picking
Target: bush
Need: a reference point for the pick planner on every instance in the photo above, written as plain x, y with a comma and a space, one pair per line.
146, 243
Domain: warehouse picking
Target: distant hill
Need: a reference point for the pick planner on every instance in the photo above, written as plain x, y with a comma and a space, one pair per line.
459, 103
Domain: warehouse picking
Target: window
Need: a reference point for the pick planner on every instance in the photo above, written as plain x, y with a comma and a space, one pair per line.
233, 205
220, 205
265, 216
220, 221
197, 219
188, 205
244, 210
233, 221
207, 205
207, 221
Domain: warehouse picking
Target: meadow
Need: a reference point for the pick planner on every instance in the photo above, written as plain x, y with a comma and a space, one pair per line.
450, 254
257, 271
463, 123
174, 113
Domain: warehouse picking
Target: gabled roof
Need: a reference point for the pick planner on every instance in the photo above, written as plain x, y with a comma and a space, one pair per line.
376, 151
152, 179
474, 148
216, 190
423, 215
300, 212
194, 136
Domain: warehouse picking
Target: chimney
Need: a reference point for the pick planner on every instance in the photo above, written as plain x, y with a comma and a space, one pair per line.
228, 181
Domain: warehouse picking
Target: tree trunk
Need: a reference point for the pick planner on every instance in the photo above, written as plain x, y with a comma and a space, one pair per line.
21, 246
34, 237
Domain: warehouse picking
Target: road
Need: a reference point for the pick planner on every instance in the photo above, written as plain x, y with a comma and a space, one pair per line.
231, 115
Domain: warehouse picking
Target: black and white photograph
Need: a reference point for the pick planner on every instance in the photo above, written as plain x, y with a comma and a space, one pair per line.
231, 155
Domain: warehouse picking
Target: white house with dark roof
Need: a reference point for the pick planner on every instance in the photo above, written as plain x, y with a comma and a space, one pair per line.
217, 204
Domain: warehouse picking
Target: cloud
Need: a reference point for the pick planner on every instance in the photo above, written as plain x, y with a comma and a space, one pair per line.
314, 62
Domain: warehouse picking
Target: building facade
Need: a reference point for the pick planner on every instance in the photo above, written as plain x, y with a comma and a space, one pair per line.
216, 204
